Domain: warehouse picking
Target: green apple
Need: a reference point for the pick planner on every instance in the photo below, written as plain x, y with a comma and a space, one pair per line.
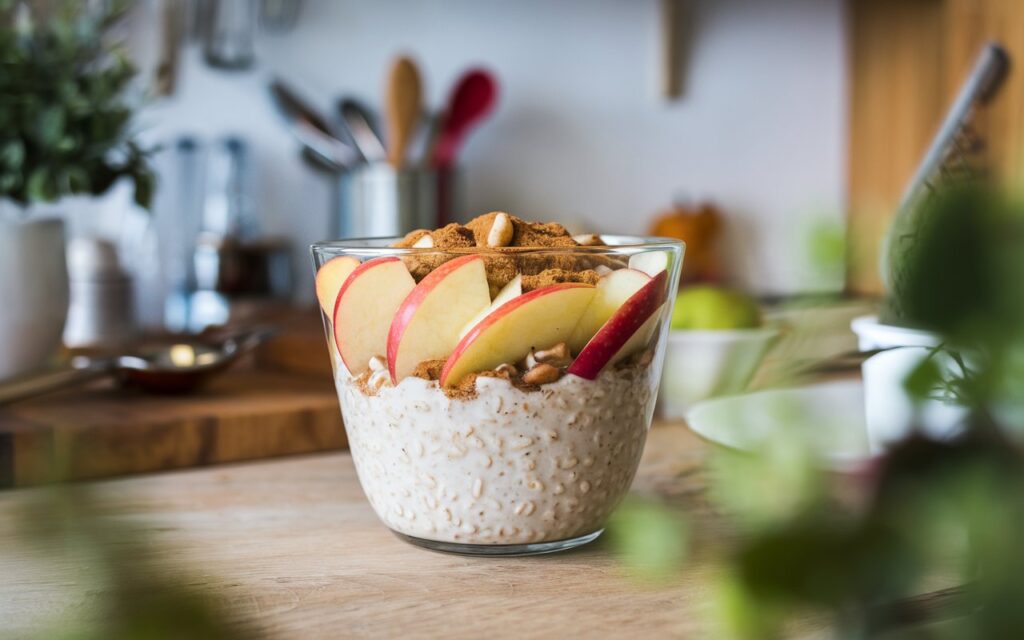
708, 307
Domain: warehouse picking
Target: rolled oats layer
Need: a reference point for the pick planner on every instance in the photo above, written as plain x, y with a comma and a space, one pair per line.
507, 466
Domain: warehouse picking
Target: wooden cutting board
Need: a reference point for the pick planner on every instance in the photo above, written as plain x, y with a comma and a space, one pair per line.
101, 431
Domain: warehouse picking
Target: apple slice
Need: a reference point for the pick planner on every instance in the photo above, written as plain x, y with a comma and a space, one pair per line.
612, 292
640, 338
427, 325
329, 279
541, 318
365, 306
511, 290
626, 331
650, 262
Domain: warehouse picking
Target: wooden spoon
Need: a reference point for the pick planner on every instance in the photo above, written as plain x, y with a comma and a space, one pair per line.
403, 105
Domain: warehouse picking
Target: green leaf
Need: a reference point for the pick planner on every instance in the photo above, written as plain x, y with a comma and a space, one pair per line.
650, 538
50, 126
12, 154
78, 180
143, 189
923, 379
40, 186
9, 182
67, 144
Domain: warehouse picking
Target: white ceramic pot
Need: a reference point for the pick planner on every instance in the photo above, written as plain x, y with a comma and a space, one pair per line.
890, 410
33, 293
706, 364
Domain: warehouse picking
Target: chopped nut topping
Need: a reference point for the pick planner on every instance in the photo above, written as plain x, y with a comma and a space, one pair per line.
589, 240
426, 242
542, 374
501, 231
557, 356
509, 369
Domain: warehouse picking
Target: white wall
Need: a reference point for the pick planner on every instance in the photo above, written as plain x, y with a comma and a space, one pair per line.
580, 132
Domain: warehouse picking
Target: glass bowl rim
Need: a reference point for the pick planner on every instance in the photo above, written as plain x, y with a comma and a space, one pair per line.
629, 243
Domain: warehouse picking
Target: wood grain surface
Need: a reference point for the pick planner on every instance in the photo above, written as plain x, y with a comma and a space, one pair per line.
293, 546
101, 431
908, 60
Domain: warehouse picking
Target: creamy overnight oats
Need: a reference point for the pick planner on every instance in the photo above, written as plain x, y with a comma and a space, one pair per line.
497, 379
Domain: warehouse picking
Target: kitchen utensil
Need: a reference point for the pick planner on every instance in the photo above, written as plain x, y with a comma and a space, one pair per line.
433, 132
705, 364
360, 125
279, 16
172, 28
951, 156
231, 260
403, 106
471, 100
829, 417
227, 207
312, 130
235, 267
101, 312
178, 223
230, 29
171, 368
378, 200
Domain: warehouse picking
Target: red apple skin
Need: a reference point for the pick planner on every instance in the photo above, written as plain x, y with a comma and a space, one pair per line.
617, 331
412, 303
494, 316
369, 264
338, 262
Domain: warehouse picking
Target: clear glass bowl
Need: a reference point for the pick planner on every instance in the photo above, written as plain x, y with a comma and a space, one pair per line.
507, 469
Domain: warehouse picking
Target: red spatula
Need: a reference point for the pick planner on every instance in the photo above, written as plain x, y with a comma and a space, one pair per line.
470, 101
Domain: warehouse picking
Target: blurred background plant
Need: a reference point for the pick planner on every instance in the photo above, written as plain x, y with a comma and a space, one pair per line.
867, 550
65, 125
87, 545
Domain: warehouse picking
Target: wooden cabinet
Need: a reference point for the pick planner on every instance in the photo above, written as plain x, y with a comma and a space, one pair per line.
907, 61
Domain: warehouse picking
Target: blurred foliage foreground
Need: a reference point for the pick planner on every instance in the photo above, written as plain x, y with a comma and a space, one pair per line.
127, 595
953, 508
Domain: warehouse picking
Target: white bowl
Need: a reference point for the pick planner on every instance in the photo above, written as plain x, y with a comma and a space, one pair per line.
891, 411
706, 364
829, 416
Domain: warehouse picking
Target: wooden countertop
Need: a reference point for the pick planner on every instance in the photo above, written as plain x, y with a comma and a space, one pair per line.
293, 547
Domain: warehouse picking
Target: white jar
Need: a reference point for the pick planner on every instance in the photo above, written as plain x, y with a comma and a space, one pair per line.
34, 291
890, 410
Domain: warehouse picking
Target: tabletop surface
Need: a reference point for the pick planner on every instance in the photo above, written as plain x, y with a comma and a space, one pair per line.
293, 547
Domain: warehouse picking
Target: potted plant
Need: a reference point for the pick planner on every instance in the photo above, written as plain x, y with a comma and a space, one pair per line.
64, 130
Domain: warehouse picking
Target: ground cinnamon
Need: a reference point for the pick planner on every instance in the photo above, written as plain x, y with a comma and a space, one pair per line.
549, 277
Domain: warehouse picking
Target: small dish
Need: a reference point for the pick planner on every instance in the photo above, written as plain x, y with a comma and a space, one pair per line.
706, 364
829, 415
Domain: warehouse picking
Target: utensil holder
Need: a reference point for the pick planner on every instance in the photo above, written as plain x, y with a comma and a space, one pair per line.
377, 200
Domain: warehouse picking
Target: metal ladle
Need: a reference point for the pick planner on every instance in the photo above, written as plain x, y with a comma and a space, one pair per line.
174, 368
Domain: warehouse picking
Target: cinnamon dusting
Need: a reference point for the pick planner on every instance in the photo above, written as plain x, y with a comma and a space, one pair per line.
502, 263
549, 277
